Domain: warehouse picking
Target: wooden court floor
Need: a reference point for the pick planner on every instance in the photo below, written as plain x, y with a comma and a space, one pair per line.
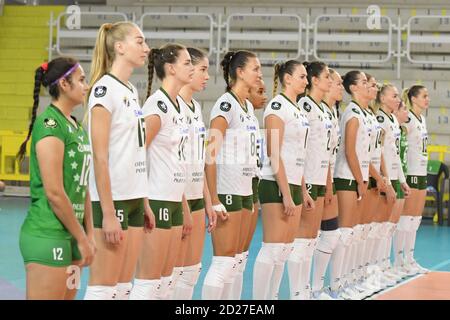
430, 286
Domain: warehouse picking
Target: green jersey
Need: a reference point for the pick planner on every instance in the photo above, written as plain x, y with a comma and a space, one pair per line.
404, 150
41, 220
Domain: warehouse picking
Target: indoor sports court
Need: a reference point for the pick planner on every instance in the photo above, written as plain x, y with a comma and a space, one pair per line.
402, 45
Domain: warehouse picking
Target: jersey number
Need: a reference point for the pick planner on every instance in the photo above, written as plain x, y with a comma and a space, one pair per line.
164, 214
57, 254
85, 170
424, 144
181, 148
141, 132
306, 137
252, 144
119, 215
329, 138
201, 146
397, 145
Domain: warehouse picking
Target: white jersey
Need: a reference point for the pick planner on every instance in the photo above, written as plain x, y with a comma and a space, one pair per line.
335, 134
391, 146
259, 146
375, 141
236, 159
417, 136
363, 134
293, 148
127, 159
195, 149
167, 154
319, 142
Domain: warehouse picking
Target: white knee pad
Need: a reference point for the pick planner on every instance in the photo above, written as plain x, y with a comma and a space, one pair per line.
346, 236
123, 291
239, 260
190, 275
220, 271
163, 292
373, 233
100, 293
312, 247
244, 262
366, 231
145, 289
284, 255
404, 223
391, 228
357, 232
270, 253
328, 241
300, 250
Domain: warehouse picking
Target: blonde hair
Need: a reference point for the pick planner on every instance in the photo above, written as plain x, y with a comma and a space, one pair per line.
376, 105
104, 54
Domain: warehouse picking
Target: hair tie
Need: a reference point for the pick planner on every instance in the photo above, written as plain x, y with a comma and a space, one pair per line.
44, 66
68, 72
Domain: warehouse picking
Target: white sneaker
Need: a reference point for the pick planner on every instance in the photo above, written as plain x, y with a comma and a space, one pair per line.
410, 269
321, 295
374, 284
389, 282
390, 274
418, 267
363, 291
399, 271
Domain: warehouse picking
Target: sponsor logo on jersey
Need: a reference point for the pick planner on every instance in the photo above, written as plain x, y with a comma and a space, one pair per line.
99, 91
276, 105
126, 102
162, 106
196, 118
380, 119
225, 106
138, 113
84, 147
356, 111
307, 107
50, 123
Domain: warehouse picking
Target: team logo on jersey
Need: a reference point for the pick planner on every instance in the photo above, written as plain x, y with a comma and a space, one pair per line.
409, 120
99, 91
356, 111
50, 123
126, 102
276, 105
196, 118
162, 106
225, 106
380, 119
307, 107
330, 116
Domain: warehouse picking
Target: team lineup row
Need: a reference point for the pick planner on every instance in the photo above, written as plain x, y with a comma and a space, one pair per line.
132, 196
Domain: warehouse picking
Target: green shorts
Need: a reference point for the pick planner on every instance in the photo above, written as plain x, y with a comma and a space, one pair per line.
167, 213
334, 189
255, 185
346, 185
417, 182
129, 212
372, 183
269, 192
234, 202
196, 204
49, 252
315, 191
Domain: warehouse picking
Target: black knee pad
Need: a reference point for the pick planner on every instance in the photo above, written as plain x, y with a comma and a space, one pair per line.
329, 225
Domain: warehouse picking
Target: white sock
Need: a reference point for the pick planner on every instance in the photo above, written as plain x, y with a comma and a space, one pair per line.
123, 290
337, 271
100, 293
228, 284
326, 244
220, 270
265, 262
163, 292
145, 289
295, 264
278, 271
305, 275
184, 288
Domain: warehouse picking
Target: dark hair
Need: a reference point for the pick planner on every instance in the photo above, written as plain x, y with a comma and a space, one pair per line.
157, 58
313, 69
280, 70
196, 55
351, 78
408, 94
231, 61
46, 75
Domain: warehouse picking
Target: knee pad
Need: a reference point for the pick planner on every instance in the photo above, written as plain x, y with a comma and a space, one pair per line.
239, 259
284, 255
403, 223
346, 236
270, 253
100, 293
166, 283
329, 225
177, 273
220, 271
123, 290
366, 231
145, 289
299, 252
328, 241
190, 275
312, 247
373, 233
391, 228
357, 232
244, 262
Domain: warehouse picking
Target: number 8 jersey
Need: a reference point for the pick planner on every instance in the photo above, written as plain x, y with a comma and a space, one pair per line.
167, 154
236, 160
127, 167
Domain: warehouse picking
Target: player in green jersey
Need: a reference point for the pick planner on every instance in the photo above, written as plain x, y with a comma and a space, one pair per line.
58, 230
